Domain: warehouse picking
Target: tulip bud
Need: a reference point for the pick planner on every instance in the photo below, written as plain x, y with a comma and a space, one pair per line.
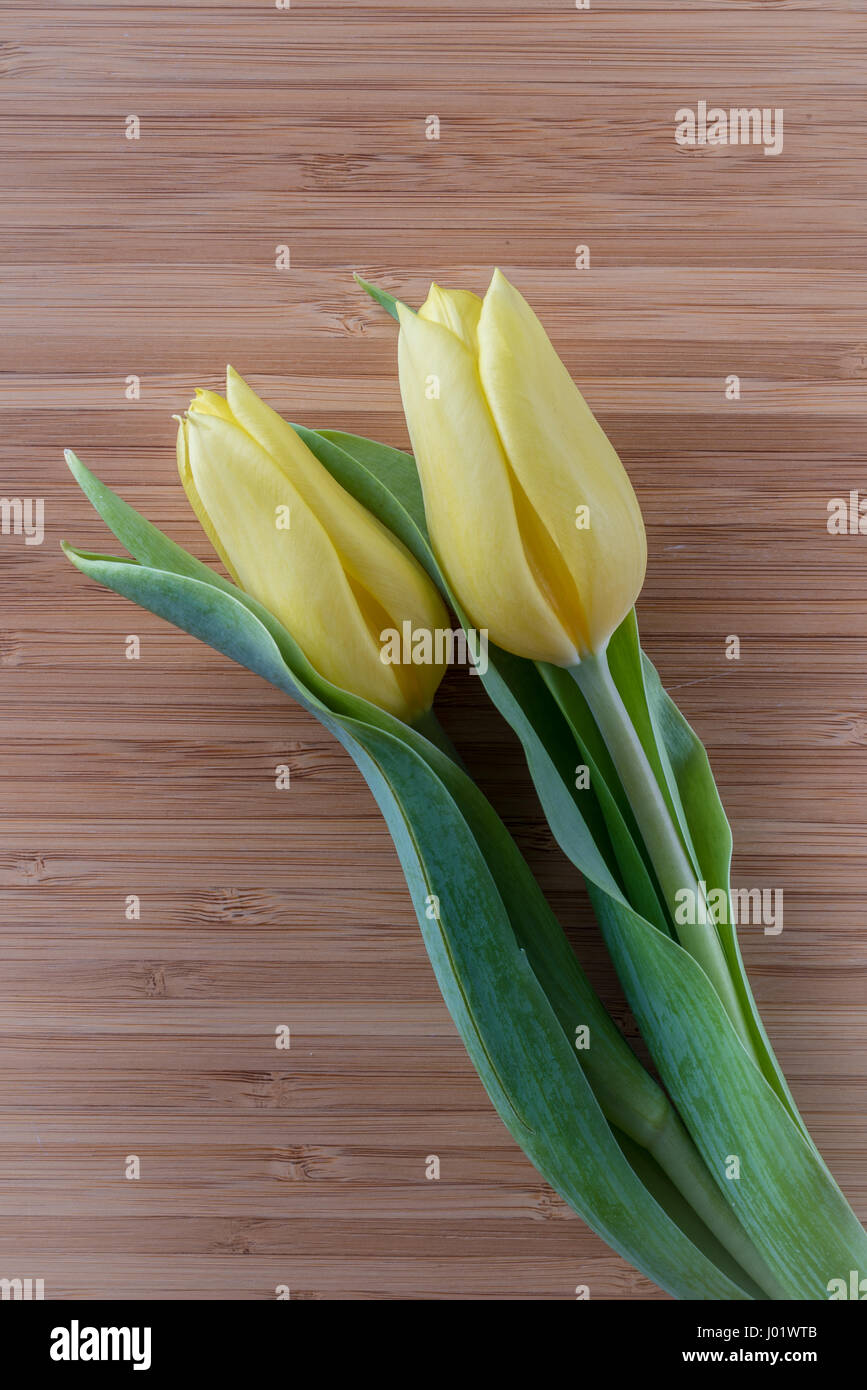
294, 539
530, 511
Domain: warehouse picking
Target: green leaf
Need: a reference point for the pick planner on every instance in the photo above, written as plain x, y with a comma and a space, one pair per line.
390, 489
388, 301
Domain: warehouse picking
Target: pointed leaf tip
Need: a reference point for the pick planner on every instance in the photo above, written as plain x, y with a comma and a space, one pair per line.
73, 555
387, 301
78, 469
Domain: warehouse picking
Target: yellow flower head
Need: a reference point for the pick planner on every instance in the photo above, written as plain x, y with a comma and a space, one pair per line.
530, 511
294, 539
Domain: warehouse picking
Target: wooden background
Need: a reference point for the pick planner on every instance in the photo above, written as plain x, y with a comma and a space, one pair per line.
156, 257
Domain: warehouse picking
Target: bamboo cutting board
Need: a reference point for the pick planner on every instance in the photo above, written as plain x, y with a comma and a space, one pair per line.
134, 269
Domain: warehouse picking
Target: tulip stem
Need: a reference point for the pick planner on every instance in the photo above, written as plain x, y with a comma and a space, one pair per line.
677, 1155
660, 833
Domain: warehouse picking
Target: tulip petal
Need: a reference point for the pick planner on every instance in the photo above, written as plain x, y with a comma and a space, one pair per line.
209, 403
469, 500
562, 459
189, 486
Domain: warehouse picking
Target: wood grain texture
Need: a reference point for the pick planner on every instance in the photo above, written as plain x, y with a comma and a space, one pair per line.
155, 777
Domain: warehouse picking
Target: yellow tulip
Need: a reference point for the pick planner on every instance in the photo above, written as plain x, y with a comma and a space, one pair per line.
294, 539
530, 511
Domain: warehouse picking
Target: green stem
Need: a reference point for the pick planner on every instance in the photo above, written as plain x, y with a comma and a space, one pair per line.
678, 1157
661, 835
